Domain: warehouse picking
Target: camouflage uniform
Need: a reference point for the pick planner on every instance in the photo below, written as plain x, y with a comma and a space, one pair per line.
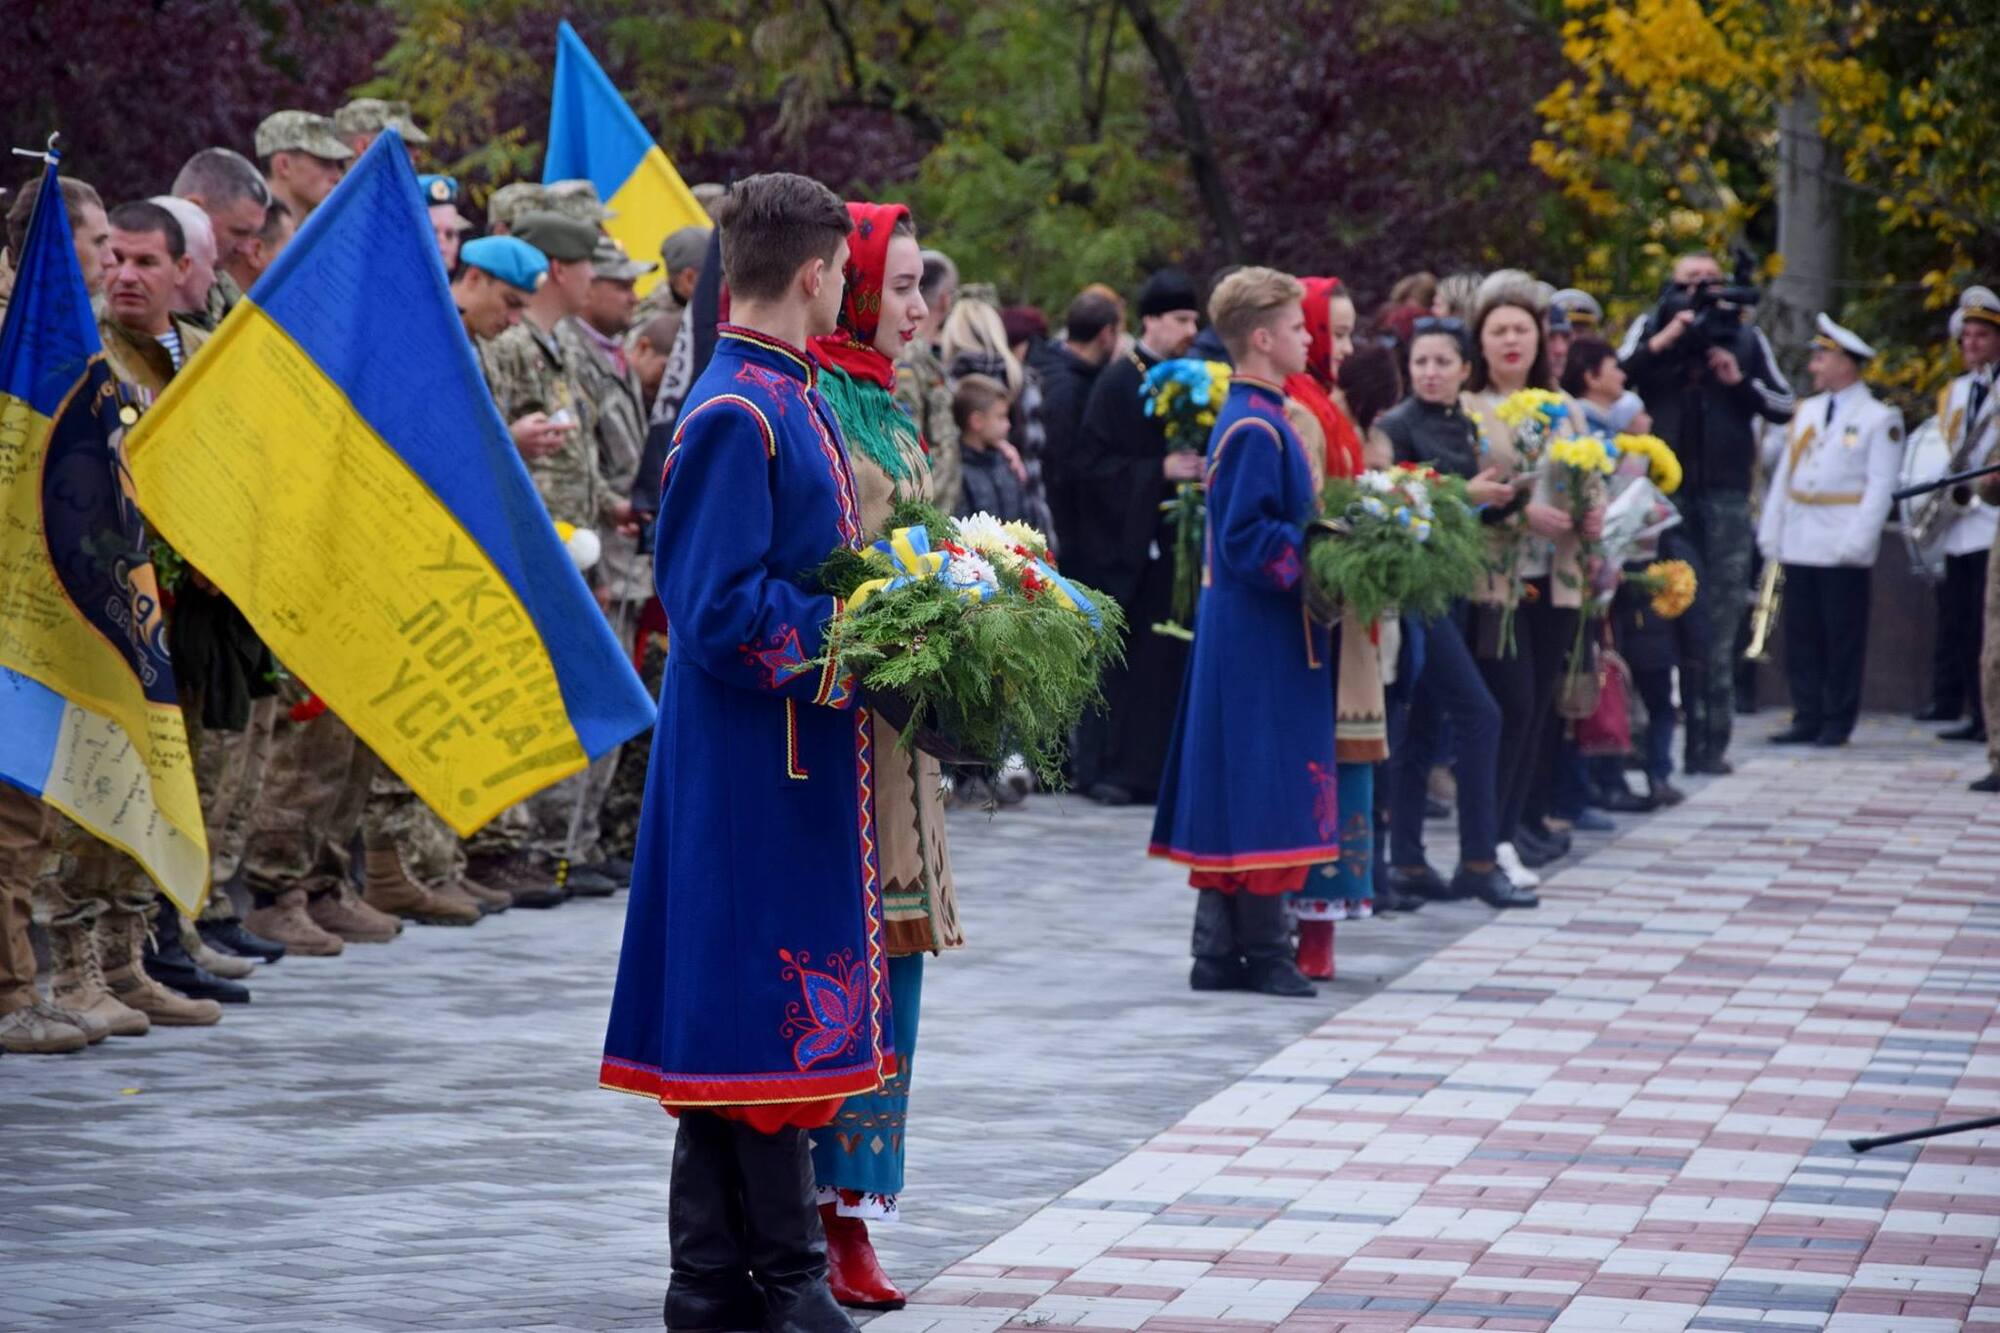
577, 199
619, 414
229, 770
316, 785
223, 295
372, 115
529, 371
618, 822
925, 393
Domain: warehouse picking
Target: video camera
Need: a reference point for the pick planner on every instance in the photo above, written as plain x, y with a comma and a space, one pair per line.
1718, 309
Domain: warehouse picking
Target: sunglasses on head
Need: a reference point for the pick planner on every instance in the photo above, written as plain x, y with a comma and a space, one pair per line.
1439, 324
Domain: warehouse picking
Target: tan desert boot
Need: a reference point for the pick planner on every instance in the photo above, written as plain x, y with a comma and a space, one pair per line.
285, 921
343, 912
390, 889
36, 1030
211, 958
493, 900
76, 982
125, 936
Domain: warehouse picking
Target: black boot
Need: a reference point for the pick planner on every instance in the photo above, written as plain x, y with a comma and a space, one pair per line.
169, 963
710, 1290
782, 1232
1264, 935
231, 936
1217, 965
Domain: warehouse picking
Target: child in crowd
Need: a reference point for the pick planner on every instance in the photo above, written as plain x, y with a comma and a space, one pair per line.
979, 406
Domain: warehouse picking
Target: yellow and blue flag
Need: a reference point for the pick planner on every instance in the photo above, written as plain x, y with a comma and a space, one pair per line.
334, 463
90, 721
595, 136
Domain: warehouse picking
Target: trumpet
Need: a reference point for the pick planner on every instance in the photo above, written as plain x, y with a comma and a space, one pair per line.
1764, 614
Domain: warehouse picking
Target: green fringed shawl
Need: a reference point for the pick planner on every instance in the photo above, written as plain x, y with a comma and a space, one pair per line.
874, 423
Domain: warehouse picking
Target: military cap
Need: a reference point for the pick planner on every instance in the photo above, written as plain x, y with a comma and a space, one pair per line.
556, 236
685, 247
1585, 314
1837, 339
511, 201
442, 192
301, 132
578, 199
372, 115
1978, 304
508, 258
611, 261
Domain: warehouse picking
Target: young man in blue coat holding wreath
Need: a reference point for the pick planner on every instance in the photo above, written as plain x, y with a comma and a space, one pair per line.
752, 989
1248, 799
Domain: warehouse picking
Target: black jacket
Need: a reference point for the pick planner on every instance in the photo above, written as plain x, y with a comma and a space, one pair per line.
1114, 481
1707, 422
1441, 436
990, 485
1066, 382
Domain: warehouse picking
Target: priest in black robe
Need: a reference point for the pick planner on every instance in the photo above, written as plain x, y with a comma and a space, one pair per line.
1118, 475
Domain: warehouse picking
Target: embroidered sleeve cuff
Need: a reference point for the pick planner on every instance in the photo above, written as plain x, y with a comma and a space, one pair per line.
836, 688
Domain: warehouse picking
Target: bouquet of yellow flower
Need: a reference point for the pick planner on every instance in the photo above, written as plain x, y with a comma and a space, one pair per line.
1184, 395
1670, 584
1532, 414
1573, 462
1663, 468
969, 625
1404, 538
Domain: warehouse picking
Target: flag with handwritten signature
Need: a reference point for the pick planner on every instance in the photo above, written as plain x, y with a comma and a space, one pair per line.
334, 463
90, 719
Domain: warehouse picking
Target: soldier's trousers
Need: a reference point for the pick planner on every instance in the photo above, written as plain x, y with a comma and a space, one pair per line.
396, 819
619, 832
24, 845
316, 787
575, 802
1718, 523
229, 770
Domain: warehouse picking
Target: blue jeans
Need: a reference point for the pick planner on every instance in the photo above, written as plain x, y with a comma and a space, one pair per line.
1656, 690
1569, 791
1448, 690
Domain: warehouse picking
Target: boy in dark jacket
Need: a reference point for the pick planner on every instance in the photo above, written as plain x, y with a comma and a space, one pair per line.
979, 405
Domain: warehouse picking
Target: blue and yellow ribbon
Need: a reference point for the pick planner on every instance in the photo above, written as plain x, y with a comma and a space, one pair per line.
907, 552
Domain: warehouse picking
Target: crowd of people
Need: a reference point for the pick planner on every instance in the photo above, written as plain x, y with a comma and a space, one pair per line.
937, 391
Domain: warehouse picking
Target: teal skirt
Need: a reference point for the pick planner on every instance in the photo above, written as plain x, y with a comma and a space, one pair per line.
1351, 878
858, 1159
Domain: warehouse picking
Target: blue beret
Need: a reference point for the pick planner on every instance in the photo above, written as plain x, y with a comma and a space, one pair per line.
508, 258
438, 189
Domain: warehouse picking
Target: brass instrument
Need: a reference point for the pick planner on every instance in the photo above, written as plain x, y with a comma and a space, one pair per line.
1764, 615
1927, 518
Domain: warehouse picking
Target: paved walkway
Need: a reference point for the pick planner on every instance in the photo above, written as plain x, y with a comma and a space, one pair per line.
1627, 1110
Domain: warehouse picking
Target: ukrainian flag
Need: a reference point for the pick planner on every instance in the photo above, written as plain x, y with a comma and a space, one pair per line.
89, 718
334, 463
593, 135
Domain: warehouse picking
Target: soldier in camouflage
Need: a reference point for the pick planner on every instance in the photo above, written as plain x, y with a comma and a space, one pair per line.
924, 390
512, 201
577, 200
304, 158
361, 120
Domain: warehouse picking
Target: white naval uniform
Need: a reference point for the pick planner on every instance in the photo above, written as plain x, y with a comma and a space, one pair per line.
1823, 519
1974, 530
1830, 495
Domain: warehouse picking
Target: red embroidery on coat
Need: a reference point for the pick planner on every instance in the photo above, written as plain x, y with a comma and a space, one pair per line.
1283, 568
782, 659
781, 387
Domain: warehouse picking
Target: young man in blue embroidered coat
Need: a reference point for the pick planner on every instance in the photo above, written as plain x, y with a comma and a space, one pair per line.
752, 988
1247, 802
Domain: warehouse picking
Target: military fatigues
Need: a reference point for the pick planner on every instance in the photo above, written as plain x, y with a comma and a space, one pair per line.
1823, 520
925, 393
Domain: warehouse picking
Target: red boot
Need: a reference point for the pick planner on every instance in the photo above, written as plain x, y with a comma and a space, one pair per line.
852, 1270
1316, 949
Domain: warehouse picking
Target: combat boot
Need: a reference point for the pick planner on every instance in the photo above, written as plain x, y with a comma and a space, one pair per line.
76, 982
284, 920
390, 889
493, 900
342, 912
170, 964
212, 960
35, 1029
124, 936
514, 876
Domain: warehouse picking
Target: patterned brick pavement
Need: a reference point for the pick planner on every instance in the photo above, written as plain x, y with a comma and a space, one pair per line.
1628, 1110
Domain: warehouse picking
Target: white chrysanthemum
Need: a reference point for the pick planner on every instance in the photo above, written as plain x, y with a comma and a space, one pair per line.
1026, 535
1379, 482
970, 570
983, 532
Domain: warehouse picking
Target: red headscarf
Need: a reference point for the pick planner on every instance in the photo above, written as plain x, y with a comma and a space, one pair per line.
851, 347
1343, 443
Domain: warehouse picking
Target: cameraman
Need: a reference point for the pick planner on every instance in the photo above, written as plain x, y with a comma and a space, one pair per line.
1705, 377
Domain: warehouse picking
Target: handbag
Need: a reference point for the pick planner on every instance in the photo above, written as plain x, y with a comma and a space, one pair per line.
1582, 684
1607, 731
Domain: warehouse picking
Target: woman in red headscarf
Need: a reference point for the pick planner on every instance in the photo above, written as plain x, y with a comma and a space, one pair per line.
1339, 890
858, 1159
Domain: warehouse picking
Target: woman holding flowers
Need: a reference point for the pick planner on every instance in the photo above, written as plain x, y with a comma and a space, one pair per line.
1528, 608
858, 1159
1342, 889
